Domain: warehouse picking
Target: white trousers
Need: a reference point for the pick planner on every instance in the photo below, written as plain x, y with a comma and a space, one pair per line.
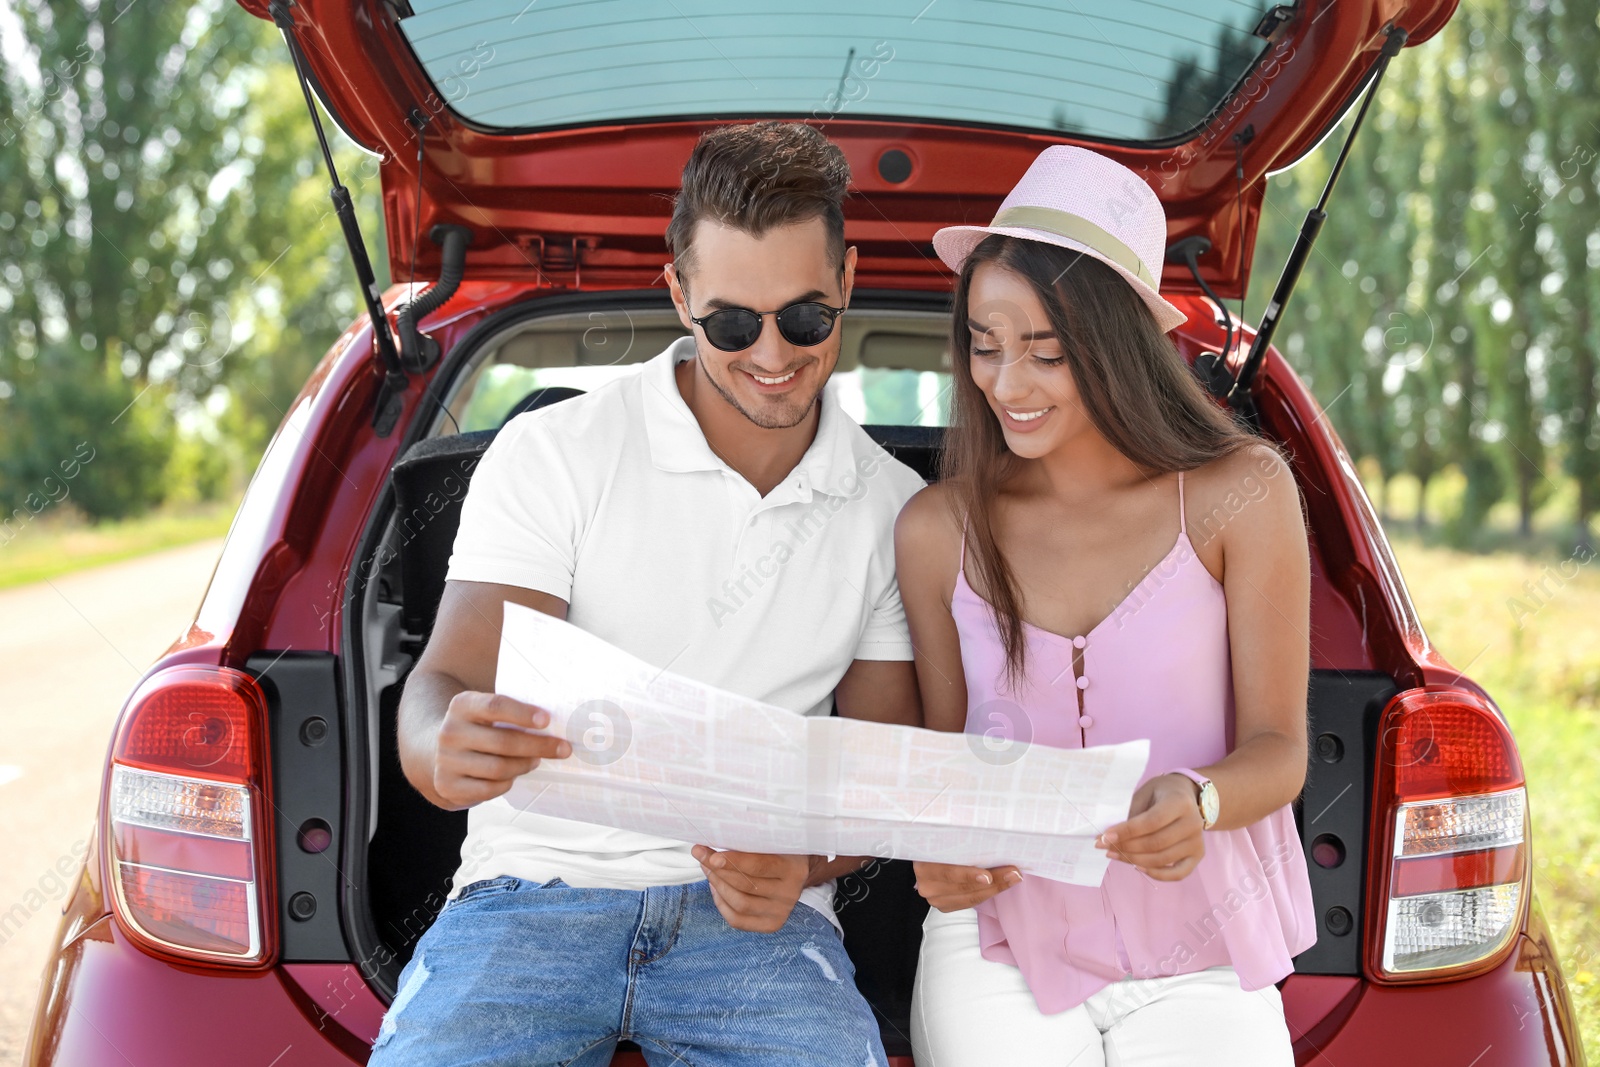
967, 1011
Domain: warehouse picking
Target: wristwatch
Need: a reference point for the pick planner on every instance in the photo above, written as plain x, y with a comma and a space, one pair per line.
1210, 804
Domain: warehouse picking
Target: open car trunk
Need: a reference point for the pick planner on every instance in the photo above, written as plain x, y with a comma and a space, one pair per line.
401, 869
553, 138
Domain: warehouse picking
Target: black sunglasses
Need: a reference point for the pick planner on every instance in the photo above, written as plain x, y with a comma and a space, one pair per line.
804, 324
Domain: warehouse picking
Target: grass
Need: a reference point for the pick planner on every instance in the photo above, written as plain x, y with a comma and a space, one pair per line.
1525, 627
60, 542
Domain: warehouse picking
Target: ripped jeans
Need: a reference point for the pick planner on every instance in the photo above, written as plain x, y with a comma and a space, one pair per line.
517, 973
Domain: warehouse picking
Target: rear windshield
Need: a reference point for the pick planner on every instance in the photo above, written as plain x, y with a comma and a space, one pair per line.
1120, 70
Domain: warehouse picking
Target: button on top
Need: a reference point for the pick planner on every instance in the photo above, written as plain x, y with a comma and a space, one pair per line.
1083, 683
1079, 641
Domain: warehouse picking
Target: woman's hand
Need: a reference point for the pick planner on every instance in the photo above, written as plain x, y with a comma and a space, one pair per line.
1162, 836
952, 887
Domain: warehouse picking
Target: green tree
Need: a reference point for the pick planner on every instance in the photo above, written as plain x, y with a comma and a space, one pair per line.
165, 233
86, 441
1511, 318
1454, 274
1398, 333
1569, 202
303, 289
1353, 330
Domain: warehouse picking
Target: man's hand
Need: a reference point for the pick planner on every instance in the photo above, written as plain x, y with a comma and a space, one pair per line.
752, 890
952, 887
485, 742
1162, 836
450, 749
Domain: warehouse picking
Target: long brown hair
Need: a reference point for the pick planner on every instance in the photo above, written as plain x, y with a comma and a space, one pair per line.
1135, 387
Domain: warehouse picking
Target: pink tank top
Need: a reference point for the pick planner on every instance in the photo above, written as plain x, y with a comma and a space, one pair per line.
1157, 667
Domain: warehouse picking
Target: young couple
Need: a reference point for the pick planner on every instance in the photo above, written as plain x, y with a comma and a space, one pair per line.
1080, 448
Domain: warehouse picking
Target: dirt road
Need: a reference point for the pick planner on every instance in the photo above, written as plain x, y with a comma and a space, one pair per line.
71, 648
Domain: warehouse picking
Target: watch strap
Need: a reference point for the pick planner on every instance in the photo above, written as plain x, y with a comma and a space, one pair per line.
1202, 781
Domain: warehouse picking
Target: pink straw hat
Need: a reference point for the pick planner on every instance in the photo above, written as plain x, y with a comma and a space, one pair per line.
1079, 199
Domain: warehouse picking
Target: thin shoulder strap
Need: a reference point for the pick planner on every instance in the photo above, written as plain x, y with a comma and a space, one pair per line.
1183, 524
963, 567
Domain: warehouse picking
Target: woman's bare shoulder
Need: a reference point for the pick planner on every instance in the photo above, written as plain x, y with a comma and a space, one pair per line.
1247, 495
928, 530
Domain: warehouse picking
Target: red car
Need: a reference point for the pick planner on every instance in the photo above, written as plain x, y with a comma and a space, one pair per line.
262, 869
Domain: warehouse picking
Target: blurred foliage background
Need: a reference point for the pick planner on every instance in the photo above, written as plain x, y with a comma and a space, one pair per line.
1446, 320
172, 268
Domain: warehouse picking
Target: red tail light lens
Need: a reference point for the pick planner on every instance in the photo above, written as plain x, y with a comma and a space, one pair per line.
1447, 744
187, 817
1450, 878
200, 722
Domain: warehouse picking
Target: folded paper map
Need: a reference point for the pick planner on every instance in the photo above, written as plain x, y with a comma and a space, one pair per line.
659, 753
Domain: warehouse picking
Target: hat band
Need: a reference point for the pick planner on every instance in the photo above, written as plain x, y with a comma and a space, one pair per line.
1077, 228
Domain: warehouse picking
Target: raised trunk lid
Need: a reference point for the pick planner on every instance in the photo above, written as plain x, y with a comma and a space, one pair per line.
557, 130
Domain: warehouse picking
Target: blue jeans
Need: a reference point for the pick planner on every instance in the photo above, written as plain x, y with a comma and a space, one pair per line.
515, 973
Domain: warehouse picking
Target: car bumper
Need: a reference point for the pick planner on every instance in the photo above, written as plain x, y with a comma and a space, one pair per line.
1517, 1015
105, 1001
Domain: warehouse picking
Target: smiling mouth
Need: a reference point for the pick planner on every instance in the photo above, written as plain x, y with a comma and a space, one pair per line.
781, 379
1028, 416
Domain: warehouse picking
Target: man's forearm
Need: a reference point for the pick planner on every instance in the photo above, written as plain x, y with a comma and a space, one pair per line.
422, 709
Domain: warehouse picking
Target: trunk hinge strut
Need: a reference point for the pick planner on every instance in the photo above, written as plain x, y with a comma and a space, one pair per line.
1237, 393
394, 380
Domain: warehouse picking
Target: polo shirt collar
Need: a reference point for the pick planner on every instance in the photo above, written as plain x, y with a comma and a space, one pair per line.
676, 440
678, 444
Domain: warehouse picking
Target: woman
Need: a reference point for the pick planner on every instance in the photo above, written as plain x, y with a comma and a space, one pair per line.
1109, 556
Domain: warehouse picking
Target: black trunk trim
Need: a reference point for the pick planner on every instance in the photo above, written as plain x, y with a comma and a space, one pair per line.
306, 741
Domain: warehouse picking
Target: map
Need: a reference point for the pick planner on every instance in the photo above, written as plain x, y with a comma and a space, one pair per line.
659, 753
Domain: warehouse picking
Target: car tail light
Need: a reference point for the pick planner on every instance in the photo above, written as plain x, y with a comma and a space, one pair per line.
187, 829
1451, 816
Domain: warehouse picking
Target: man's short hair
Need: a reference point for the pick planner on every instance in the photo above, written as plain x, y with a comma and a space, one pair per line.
756, 176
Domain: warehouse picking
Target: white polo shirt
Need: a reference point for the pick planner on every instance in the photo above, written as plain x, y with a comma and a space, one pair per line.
614, 502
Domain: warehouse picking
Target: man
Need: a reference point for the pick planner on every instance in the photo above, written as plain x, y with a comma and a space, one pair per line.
716, 514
